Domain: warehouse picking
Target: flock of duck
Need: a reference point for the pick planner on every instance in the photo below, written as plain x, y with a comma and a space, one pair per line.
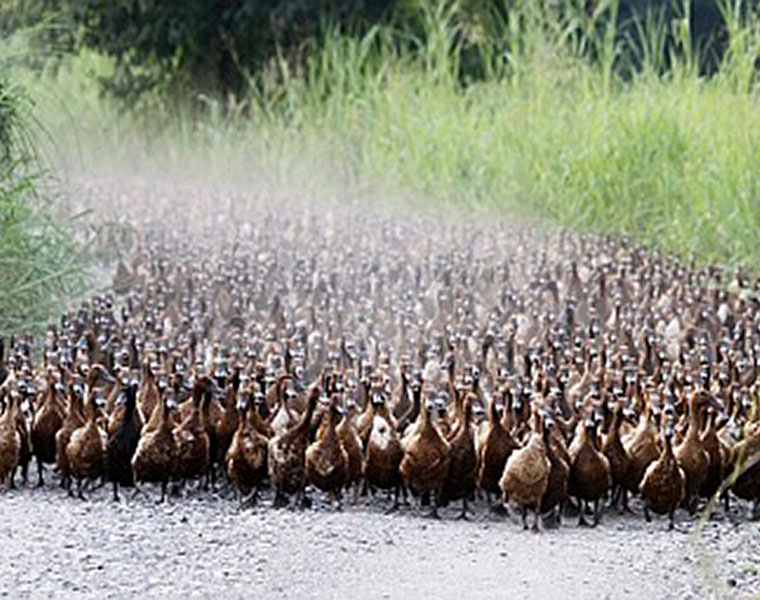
341, 350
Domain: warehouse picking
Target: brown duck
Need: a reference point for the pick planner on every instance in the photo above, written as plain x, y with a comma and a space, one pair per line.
326, 460
526, 473
589, 470
426, 458
664, 482
285, 458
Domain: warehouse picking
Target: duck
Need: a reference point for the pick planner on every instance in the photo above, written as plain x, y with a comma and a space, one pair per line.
496, 444
745, 480
559, 475
383, 456
246, 457
229, 418
616, 454
10, 440
663, 486
716, 453
285, 455
326, 460
122, 441
282, 416
153, 460
409, 417
72, 420
590, 477
526, 472
86, 449
148, 395
460, 481
426, 458
26, 400
642, 449
191, 443
692, 456
352, 444
48, 419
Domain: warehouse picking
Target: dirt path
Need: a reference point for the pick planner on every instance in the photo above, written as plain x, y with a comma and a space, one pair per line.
56, 546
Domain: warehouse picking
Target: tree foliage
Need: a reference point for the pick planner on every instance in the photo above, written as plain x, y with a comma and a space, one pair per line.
222, 45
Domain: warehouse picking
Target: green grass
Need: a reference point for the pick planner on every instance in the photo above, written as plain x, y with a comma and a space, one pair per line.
671, 160
41, 266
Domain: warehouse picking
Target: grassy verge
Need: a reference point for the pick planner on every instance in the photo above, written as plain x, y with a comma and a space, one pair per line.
41, 266
670, 159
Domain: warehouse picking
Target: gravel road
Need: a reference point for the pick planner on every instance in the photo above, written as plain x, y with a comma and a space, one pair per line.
54, 546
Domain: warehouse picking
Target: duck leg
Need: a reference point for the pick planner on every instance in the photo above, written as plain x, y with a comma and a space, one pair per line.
597, 511
647, 516
671, 524
164, 485
280, 499
212, 477
394, 506
115, 491
615, 497
535, 519
625, 508
581, 518
80, 493
436, 503
726, 501
463, 514
40, 479
404, 495
524, 511
302, 500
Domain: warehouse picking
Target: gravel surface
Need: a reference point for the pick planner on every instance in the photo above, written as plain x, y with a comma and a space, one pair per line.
195, 546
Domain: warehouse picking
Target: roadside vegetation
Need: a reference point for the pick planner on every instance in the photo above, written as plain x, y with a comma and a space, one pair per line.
634, 127
41, 263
